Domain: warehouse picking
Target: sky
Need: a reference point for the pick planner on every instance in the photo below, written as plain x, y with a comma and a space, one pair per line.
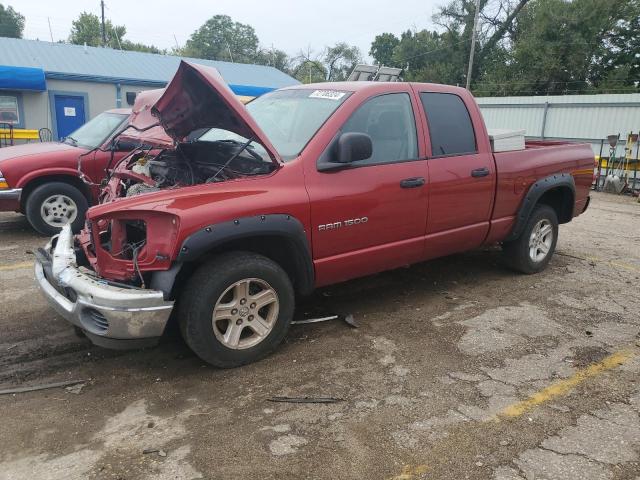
288, 25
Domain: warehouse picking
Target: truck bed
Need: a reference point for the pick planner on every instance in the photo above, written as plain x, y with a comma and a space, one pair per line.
518, 170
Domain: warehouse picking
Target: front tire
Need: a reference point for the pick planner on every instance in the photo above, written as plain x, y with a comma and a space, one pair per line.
52, 205
532, 251
236, 308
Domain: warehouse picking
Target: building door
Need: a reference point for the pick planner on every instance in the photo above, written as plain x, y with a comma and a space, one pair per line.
69, 113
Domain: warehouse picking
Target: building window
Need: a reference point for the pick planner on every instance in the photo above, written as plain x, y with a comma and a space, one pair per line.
9, 112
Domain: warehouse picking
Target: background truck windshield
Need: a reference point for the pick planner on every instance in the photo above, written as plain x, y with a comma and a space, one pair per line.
93, 133
290, 118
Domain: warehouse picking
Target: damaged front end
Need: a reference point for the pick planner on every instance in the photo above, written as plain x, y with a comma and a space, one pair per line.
194, 132
114, 279
209, 159
128, 245
111, 314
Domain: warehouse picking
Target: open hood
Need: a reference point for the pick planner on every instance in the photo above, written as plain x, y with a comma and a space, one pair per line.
197, 98
140, 124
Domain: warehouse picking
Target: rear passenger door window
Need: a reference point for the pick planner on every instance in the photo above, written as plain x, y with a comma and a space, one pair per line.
389, 121
450, 127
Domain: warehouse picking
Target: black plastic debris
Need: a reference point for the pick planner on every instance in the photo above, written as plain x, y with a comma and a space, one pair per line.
306, 399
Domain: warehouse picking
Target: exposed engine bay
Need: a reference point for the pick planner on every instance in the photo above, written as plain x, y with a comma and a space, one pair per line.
191, 163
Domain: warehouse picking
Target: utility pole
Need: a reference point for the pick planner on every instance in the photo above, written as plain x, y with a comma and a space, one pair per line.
103, 30
473, 43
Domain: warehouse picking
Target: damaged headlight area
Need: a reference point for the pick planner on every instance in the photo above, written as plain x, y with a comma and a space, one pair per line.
121, 246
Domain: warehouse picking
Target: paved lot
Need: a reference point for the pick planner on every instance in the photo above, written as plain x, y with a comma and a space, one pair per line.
460, 369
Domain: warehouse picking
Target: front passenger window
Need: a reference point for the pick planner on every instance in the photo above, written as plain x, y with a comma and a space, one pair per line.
389, 121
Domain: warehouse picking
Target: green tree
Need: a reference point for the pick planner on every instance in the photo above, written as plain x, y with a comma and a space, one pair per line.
382, 48
308, 67
220, 38
139, 47
86, 29
619, 66
561, 47
442, 55
340, 60
497, 21
430, 56
274, 58
333, 64
11, 22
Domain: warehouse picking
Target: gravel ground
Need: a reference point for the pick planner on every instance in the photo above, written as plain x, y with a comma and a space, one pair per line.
460, 369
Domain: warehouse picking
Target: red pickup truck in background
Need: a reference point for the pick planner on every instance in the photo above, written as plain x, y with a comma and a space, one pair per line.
42, 181
304, 187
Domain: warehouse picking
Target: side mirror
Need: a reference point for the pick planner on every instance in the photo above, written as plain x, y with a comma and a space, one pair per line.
344, 149
353, 147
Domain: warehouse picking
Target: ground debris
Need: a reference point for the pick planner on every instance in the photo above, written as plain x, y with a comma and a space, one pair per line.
33, 388
160, 452
348, 319
306, 399
76, 389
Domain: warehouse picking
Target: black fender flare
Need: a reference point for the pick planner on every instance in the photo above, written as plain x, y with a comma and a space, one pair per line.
536, 191
215, 235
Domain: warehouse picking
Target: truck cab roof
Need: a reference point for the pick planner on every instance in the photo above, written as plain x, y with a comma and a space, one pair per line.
374, 87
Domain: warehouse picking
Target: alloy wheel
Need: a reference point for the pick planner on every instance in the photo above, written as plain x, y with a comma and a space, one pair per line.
541, 240
245, 313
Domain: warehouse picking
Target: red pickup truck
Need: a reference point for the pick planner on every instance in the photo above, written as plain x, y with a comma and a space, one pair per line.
304, 187
42, 180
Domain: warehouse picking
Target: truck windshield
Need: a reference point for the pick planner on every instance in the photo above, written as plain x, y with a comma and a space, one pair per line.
221, 135
290, 118
93, 133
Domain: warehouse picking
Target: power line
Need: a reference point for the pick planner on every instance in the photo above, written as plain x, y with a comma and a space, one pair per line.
554, 82
478, 93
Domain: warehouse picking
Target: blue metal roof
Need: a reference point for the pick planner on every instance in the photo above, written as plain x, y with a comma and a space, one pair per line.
76, 62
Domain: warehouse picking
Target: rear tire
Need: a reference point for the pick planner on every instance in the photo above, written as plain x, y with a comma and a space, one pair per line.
532, 251
52, 205
253, 302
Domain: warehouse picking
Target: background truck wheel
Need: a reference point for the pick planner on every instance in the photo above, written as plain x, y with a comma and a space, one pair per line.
532, 251
52, 205
236, 308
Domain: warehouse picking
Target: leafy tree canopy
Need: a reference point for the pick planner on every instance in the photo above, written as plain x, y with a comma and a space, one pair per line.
11, 22
220, 38
86, 29
524, 47
333, 64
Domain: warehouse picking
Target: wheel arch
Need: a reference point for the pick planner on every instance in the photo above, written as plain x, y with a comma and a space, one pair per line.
34, 183
279, 237
558, 191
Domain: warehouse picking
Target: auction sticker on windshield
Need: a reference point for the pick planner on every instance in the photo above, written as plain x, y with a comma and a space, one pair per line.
327, 94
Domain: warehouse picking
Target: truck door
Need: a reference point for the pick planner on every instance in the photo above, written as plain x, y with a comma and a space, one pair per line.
372, 216
461, 176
